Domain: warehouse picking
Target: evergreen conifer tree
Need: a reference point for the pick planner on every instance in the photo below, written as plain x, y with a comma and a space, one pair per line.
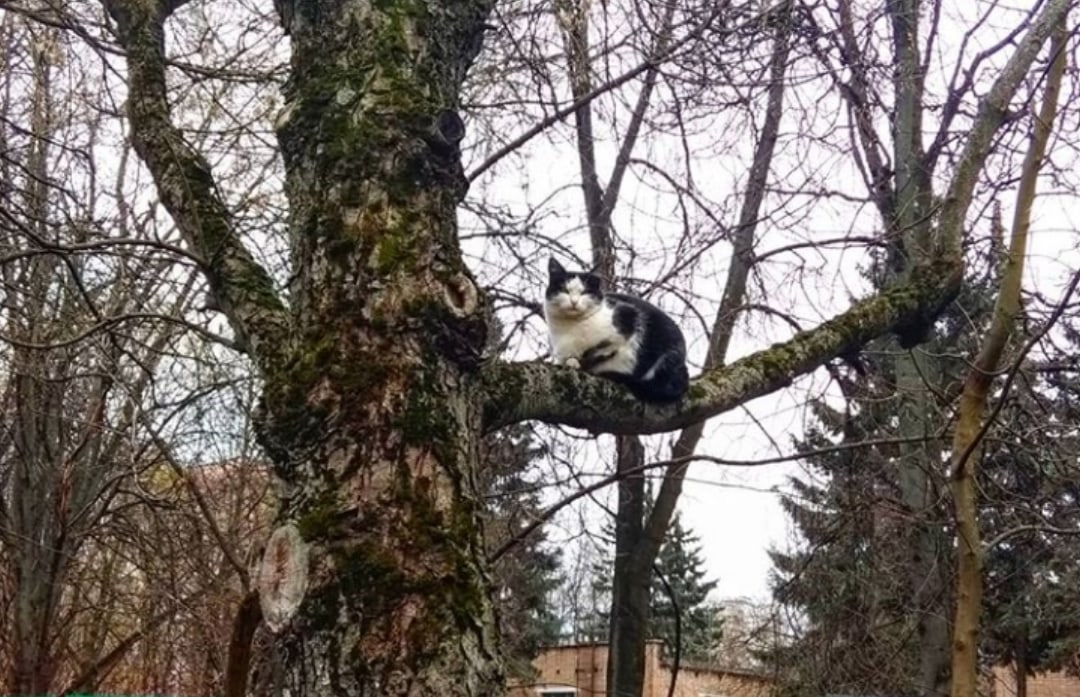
681, 564
858, 631
848, 581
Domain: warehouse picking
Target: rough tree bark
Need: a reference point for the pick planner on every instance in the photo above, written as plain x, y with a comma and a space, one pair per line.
377, 387
372, 581
968, 433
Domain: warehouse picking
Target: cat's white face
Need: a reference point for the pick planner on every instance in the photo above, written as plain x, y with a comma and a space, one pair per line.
572, 295
573, 299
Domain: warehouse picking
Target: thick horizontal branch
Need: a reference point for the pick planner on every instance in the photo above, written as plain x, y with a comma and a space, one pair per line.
243, 289
558, 395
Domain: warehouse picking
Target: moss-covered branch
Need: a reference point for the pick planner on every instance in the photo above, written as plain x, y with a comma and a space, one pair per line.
241, 287
544, 392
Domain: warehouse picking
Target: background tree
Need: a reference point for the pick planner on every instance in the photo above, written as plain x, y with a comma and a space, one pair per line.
679, 587
82, 337
857, 622
1029, 484
685, 593
104, 377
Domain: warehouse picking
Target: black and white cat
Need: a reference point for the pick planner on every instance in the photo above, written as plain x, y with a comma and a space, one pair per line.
616, 336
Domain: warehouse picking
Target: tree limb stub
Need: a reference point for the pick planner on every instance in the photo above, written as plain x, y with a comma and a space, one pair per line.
559, 395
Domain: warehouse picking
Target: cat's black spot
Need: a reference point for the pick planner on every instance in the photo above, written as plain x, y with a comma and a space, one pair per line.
555, 286
597, 355
556, 278
625, 319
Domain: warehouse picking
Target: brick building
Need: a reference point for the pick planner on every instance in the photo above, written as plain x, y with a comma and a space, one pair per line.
580, 670
1003, 684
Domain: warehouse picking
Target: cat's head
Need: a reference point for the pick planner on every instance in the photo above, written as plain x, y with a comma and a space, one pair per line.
571, 294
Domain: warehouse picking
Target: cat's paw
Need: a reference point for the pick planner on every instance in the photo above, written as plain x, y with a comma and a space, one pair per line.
572, 363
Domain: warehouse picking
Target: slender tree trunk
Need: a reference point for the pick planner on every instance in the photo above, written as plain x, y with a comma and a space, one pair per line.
238, 662
1022, 667
970, 428
38, 544
928, 548
630, 583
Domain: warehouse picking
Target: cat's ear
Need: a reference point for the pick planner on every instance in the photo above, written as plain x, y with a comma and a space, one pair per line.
555, 268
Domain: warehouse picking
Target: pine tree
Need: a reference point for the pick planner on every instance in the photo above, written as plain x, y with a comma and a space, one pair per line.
846, 581
681, 565
1031, 485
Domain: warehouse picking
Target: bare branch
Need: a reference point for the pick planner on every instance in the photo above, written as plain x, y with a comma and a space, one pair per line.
993, 111
562, 113
243, 289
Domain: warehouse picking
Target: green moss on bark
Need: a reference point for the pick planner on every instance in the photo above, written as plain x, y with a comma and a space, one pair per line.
320, 519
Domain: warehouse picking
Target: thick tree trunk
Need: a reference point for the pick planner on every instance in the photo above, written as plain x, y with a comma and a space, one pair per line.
372, 582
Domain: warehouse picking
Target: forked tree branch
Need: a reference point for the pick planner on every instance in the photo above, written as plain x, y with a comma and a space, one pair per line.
242, 288
993, 112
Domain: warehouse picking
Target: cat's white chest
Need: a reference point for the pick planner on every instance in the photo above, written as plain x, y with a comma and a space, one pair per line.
570, 338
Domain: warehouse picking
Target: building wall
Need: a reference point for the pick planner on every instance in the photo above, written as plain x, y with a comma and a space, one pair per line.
696, 682
581, 666
1044, 685
584, 668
